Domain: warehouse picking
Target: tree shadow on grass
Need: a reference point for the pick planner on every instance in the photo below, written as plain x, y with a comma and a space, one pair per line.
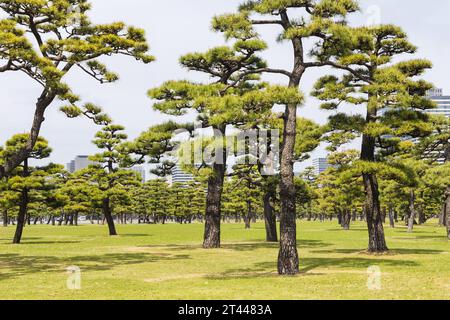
9, 240
391, 252
268, 269
272, 245
243, 246
137, 235
27, 243
16, 265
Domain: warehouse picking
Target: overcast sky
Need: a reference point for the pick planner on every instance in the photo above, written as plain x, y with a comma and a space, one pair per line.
176, 27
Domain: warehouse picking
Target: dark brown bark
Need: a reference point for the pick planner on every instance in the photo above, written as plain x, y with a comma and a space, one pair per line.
377, 242
442, 216
213, 207
339, 216
391, 217
422, 217
23, 208
22, 155
5, 218
247, 221
270, 218
354, 215
346, 219
288, 263
106, 208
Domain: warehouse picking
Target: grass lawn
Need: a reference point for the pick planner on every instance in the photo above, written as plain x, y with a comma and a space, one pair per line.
167, 262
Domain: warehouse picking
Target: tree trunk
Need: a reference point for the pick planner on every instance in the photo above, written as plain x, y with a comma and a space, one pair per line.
5, 218
247, 220
213, 207
339, 216
422, 217
442, 216
412, 210
447, 212
346, 218
377, 241
22, 155
21, 216
391, 217
106, 208
288, 263
354, 215
23, 208
270, 218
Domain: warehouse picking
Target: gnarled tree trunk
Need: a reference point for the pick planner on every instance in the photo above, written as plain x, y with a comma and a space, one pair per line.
21, 155
391, 216
377, 242
23, 208
213, 207
270, 218
288, 263
346, 219
106, 208
5, 218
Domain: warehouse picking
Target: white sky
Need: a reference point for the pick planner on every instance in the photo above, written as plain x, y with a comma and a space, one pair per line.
177, 27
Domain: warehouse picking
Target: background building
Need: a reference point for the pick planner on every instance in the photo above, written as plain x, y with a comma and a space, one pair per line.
443, 102
79, 163
141, 171
180, 176
320, 165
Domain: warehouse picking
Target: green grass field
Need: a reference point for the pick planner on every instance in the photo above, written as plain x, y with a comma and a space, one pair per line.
167, 262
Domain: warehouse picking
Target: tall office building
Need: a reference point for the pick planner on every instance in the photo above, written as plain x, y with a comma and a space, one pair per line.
180, 176
320, 165
141, 171
79, 163
443, 102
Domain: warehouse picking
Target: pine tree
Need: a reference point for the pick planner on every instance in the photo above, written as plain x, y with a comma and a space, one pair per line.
24, 180
436, 148
224, 101
339, 188
110, 172
394, 99
66, 40
300, 22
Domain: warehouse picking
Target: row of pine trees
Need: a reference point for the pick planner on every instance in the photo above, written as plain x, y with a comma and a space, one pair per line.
47, 41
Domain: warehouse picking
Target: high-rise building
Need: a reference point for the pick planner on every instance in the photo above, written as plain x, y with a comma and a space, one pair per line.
443, 102
141, 171
320, 165
79, 163
180, 176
